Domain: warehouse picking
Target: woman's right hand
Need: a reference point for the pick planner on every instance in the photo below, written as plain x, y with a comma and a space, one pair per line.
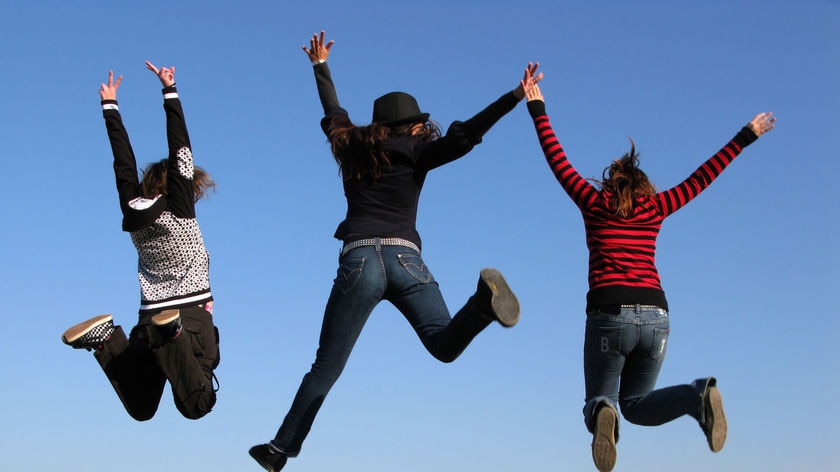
109, 91
531, 79
317, 50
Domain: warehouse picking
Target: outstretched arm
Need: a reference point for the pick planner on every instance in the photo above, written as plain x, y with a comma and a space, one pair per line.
675, 198
462, 136
125, 165
481, 123
176, 125
318, 52
179, 182
579, 189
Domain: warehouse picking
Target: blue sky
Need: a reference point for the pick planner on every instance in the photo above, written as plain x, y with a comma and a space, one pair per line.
750, 267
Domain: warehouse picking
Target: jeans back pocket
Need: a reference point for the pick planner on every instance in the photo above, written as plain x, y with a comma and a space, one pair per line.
349, 272
414, 265
660, 343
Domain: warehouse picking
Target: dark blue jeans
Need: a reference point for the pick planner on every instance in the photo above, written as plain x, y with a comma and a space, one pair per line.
366, 276
623, 352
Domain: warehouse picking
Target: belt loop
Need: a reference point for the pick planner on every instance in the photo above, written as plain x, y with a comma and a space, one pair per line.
377, 243
638, 308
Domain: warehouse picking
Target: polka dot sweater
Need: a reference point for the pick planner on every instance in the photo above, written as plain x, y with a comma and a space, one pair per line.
173, 263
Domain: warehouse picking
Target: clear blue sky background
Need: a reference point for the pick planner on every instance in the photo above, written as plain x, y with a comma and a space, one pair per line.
750, 268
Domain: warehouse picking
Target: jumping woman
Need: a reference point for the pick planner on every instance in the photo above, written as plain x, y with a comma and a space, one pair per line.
175, 338
627, 324
383, 167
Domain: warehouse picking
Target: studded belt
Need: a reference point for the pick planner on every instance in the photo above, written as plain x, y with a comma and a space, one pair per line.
378, 242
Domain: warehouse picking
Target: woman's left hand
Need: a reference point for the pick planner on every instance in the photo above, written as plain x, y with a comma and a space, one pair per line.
530, 80
762, 123
109, 91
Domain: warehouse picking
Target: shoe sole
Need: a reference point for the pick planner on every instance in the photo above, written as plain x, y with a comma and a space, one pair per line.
504, 303
603, 441
715, 420
77, 331
165, 317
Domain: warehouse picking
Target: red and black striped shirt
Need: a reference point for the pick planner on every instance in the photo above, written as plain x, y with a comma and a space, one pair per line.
622, 251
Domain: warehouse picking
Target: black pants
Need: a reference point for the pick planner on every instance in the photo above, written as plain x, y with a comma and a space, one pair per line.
138, 367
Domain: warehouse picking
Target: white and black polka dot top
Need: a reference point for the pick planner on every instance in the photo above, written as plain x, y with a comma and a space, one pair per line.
173, 263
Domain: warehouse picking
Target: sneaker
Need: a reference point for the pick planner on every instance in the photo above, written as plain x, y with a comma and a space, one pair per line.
496, 299
90, 334
168, 324
714, 420
269, 456
603, 438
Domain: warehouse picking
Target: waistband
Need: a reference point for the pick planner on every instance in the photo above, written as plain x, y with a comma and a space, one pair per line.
615, 310
640, 308
379, 242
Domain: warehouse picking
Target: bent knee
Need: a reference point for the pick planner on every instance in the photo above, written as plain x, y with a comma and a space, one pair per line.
199, 406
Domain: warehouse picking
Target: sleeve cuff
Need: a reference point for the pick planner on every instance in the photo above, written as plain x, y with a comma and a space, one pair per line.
170, 92
536, 108
745, 137
109, 105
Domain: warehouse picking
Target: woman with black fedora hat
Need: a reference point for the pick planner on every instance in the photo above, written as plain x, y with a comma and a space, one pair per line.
383, 166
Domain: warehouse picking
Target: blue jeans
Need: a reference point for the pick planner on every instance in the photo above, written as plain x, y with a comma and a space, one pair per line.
366, 276
623, 352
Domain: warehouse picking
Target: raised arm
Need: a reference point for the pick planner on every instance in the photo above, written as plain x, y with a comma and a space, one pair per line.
125, 164
178, 138
318, 52
675, 198
179, 184
462, 136
579, 189
479, 124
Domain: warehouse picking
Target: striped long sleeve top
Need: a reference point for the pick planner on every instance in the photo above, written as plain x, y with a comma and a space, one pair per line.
622, 251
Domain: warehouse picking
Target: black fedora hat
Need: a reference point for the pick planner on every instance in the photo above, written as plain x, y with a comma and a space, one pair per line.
397, 108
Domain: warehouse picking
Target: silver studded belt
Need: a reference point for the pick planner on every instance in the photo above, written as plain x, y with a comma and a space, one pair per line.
379, 242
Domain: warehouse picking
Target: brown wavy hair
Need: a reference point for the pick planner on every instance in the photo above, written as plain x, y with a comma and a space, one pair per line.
155, 175
358, 149
624, 179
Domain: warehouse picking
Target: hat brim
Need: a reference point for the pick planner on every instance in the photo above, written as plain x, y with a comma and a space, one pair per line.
421, 118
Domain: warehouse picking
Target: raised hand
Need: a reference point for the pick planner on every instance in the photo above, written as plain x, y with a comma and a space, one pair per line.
318, 51
531, 79
109, 91
534, 93
165, 74
762, 123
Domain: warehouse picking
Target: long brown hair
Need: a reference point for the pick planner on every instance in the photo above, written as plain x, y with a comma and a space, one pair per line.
155, 175
358, 149
626, 181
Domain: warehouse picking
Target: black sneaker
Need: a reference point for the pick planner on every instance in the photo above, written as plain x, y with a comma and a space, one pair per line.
495, 299
714, 419
269, 457
168, 324
603, 438
90, 334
